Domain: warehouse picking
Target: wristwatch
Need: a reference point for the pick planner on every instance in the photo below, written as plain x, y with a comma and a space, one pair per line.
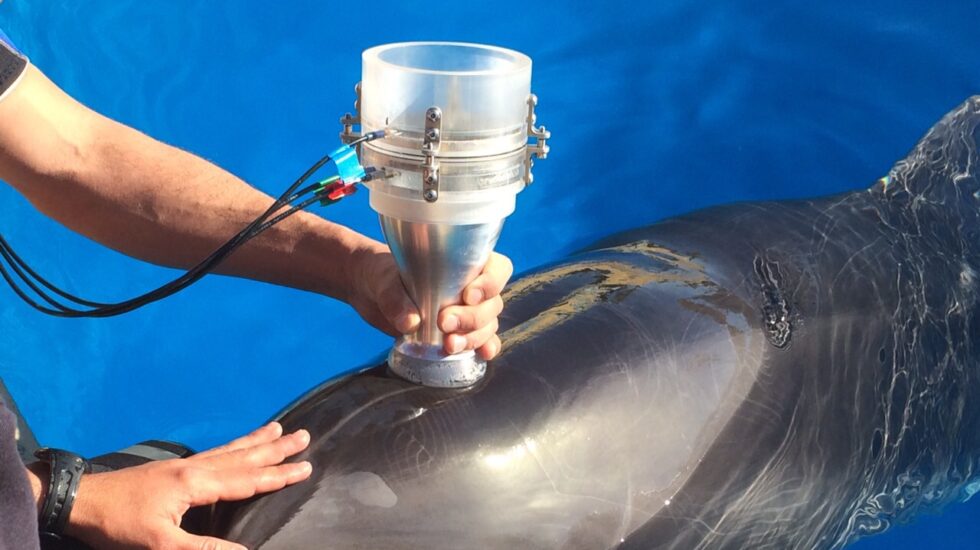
66, 471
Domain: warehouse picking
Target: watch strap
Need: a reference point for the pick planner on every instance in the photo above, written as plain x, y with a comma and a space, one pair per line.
66, 472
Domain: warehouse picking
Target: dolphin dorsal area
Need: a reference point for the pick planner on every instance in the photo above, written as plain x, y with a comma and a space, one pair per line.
765, 375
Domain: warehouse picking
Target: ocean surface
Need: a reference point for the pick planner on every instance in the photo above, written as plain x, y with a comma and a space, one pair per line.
656, 108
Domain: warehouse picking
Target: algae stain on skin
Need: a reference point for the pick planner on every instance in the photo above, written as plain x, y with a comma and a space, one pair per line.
612, 277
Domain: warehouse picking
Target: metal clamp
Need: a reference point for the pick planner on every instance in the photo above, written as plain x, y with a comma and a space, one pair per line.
431, 139
538, 149
348, 134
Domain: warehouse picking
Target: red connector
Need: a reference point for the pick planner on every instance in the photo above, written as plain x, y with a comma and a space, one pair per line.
336, 191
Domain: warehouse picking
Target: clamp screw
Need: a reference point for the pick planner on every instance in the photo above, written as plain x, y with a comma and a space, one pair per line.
432, 134
433, 114
430, 195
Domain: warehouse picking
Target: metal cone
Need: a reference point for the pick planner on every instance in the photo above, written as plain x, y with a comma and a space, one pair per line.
436, 261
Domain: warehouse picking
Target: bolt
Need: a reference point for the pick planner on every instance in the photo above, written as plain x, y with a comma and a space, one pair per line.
432, 134
430, 195
433, 114
431, 178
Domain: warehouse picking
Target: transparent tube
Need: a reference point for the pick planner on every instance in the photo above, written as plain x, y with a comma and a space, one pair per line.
482, 91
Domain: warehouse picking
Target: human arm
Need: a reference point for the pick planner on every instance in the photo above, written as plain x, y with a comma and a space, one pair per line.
161, 204
142, 507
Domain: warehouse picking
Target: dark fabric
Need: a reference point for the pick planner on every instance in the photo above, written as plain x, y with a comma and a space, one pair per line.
12, 64
18, 512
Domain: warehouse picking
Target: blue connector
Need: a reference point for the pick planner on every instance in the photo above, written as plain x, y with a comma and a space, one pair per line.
348, 166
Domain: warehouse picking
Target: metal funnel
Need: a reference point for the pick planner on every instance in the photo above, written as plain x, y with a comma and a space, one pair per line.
458, 122
436, 261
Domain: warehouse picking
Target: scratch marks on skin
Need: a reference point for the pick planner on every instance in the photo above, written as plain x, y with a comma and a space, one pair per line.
968, 277
612, 275
354, 413
925, 451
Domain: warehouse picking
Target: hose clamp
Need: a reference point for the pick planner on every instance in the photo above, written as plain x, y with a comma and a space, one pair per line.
432, 141
538, 149
349, 120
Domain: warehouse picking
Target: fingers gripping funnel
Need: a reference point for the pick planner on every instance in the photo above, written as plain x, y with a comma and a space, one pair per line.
457, 118
436, 261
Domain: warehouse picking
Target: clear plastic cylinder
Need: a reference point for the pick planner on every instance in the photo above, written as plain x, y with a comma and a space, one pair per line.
482, 93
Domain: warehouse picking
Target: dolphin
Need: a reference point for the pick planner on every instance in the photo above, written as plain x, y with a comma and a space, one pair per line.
793, 374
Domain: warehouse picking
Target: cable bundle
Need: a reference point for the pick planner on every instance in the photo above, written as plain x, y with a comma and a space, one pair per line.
54, 296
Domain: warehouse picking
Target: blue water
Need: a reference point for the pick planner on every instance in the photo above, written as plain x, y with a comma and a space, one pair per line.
656, 108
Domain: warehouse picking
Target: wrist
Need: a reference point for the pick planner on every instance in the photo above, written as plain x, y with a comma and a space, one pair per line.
324, 257
359, 268
86, 519
39, 475
65, 471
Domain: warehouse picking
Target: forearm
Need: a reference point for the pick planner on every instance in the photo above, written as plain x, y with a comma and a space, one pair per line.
158, 203
163, 205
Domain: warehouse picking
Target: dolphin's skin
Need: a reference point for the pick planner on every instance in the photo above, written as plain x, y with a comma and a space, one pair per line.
763, 375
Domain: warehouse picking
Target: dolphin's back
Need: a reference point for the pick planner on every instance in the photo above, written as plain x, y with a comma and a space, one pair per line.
765, 375
587, 423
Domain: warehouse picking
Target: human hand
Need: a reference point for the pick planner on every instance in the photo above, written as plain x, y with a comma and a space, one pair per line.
141, 507
381, 299
473, 324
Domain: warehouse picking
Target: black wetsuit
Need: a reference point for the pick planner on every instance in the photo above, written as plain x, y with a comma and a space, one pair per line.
18, 514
